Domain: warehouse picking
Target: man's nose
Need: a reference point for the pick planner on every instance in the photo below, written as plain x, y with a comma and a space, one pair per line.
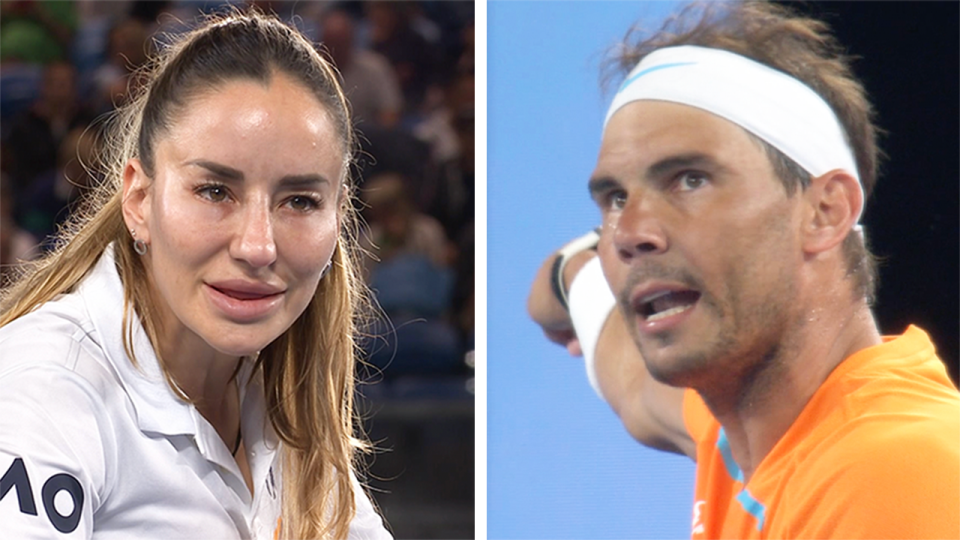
638, 230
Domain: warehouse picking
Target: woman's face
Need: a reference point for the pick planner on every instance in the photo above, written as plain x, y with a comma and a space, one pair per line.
241, 216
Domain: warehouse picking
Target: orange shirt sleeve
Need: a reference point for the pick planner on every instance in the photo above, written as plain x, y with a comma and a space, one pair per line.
901, 483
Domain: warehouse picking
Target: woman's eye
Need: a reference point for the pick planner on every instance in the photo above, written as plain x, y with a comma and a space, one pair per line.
690, 181
213, 193
303, 203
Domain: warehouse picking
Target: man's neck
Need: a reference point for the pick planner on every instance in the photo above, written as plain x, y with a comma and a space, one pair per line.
757, 413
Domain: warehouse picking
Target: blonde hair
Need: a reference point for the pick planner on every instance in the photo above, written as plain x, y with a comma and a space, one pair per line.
309, 370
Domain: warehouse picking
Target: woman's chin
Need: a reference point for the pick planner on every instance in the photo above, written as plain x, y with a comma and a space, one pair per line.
235, 348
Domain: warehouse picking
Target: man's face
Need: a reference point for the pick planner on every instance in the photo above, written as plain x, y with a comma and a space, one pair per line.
700, 241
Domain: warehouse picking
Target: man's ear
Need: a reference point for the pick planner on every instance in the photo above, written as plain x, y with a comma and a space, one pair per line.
834, 203
136, 199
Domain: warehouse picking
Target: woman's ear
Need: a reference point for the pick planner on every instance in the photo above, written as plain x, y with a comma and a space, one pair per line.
136, 200
835, 202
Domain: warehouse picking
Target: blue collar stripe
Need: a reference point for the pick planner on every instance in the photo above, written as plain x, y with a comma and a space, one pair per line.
723, 445
753, 507
627, 82
750, 504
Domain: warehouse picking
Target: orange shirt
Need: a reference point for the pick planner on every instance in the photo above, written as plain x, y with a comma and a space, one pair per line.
874, 454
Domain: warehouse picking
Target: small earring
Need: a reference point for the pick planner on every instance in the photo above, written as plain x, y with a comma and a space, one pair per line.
138, 245
326, 269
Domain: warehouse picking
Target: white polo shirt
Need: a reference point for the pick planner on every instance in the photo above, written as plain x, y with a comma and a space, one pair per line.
93, 447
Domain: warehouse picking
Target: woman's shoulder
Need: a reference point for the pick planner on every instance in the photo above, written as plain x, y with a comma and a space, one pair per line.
58, 344
56, 430
64, 315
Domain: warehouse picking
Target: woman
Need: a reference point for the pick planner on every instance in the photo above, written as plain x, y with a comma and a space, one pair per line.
182, 365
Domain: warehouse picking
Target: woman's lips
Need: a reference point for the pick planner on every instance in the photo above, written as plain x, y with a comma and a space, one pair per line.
244, 302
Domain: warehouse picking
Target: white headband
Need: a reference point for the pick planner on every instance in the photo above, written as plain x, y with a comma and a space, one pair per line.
768, 103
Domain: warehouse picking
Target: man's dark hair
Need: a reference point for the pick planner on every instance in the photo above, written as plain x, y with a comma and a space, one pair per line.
801, 47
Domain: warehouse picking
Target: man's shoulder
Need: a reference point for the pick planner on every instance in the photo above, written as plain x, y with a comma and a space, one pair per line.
882, 440
889, 404
875, 428
880, 473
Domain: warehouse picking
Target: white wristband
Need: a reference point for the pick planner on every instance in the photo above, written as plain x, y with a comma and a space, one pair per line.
590, 304
585, 242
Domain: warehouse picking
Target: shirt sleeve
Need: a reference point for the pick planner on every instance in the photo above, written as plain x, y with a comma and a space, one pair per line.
52, 454
901, 483
367, 523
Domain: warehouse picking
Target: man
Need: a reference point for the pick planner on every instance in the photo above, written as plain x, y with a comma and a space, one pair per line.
735, 163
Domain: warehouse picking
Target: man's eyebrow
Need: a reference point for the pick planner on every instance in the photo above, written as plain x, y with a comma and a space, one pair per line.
289, 181
682, 161
599, 185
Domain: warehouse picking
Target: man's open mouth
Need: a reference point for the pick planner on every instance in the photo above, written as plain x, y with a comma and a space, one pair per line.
663, 304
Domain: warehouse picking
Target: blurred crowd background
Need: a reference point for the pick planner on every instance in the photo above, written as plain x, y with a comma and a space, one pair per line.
408, 70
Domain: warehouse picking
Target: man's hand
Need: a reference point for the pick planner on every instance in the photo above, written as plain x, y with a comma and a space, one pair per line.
544, 307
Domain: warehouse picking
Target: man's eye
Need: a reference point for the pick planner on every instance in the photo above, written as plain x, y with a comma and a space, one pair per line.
616, 200
690, 181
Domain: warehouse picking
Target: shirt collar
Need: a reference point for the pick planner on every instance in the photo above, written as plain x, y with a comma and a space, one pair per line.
158, 408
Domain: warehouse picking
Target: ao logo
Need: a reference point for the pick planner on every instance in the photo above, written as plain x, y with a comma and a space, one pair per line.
697, 526
16, 477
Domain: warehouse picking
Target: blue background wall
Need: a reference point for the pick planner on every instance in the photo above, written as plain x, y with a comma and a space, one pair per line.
560, 465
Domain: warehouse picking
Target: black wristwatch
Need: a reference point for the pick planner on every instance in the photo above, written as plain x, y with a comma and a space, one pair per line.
583, 243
